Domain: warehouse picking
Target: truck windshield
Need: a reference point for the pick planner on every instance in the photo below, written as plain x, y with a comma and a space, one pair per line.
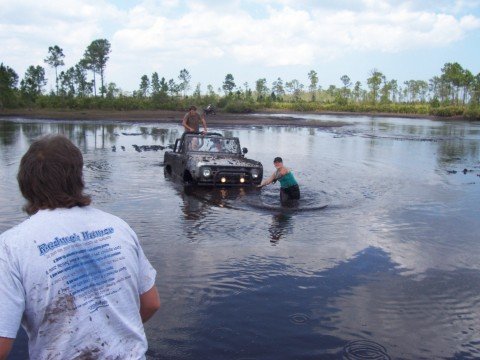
212, 144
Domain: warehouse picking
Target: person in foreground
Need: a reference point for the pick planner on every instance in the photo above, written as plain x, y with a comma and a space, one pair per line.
289, 189
75, 277
191, 120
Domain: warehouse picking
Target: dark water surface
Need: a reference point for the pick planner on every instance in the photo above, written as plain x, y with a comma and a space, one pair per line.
390, 269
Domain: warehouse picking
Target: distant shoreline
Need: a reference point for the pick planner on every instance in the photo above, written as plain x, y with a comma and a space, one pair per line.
221, 119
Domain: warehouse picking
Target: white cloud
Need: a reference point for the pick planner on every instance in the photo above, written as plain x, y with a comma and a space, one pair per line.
32, 26
288, 36
266, 34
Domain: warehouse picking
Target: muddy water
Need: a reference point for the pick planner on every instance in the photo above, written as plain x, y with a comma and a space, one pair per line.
389, 269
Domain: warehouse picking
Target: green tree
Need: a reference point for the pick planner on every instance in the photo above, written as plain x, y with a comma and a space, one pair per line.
87, 62
261, 88
197, 94
67, 82
411, 90
295, 88
385, 91
95, 58
357, 91
374, 81
313, 77
8, 85
335, 93
33, 82
173, 87
84, 87
416, 90
159, 88
475, 91
228, 84
422, 87
144, 86
453, 74
393, 84
345, 79
278, 89
163, 86
468, 82
55, 59
439, 88
155, 84
112, 91
433, 87
247, 93
184, 78
210, 90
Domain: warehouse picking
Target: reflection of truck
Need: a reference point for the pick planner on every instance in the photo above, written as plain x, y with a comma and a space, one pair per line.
211, 159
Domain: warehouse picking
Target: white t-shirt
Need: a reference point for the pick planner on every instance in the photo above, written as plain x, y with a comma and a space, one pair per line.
73, 278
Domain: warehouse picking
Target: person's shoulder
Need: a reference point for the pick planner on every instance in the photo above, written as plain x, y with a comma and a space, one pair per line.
16, 232
283, 171
98, 213
114, 219
10, 233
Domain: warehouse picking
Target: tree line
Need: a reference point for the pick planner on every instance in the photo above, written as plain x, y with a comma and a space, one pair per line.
456, 91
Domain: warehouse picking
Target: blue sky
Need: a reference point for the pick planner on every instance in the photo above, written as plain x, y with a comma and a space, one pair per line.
250, 39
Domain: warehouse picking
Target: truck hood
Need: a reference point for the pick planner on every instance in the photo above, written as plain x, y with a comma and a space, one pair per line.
223, 160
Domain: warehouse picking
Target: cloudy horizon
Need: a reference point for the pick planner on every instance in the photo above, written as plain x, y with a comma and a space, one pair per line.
248, 39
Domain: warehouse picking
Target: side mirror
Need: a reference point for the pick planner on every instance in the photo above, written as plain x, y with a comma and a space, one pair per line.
244, 150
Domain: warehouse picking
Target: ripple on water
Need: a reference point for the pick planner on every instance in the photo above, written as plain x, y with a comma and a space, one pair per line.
252, 198
270, 200
364, 349
299, 318
221, 332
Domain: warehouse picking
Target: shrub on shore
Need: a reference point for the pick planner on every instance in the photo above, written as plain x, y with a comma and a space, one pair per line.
232, 104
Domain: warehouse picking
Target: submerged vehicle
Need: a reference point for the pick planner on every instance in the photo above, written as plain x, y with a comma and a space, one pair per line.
210, 159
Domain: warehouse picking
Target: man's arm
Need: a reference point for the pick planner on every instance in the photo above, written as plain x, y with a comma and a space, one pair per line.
184, 123
5, 347
149, 303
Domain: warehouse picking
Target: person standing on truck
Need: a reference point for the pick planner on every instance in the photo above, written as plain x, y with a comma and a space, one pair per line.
191, 120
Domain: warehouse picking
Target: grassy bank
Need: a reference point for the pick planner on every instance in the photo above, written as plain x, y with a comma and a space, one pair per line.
234, 105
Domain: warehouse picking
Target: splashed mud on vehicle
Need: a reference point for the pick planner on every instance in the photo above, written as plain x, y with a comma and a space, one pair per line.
211, 159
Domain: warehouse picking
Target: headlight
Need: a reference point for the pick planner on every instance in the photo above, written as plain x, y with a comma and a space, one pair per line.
206, 172
254, 174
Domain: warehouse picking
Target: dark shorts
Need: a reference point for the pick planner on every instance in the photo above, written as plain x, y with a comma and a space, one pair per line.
290, 193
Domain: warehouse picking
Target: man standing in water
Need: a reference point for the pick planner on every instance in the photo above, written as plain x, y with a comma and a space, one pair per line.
289, 189
75, 277
191, 120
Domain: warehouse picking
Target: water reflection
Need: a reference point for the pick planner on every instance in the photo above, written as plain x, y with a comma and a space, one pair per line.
391, 264
281, 224
283, 303
9, 133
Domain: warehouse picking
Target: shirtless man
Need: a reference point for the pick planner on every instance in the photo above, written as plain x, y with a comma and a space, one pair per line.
191, 120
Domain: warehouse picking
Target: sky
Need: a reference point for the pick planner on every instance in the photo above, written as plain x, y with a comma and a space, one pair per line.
250, 39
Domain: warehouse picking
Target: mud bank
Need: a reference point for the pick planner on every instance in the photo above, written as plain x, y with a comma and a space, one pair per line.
165, 116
